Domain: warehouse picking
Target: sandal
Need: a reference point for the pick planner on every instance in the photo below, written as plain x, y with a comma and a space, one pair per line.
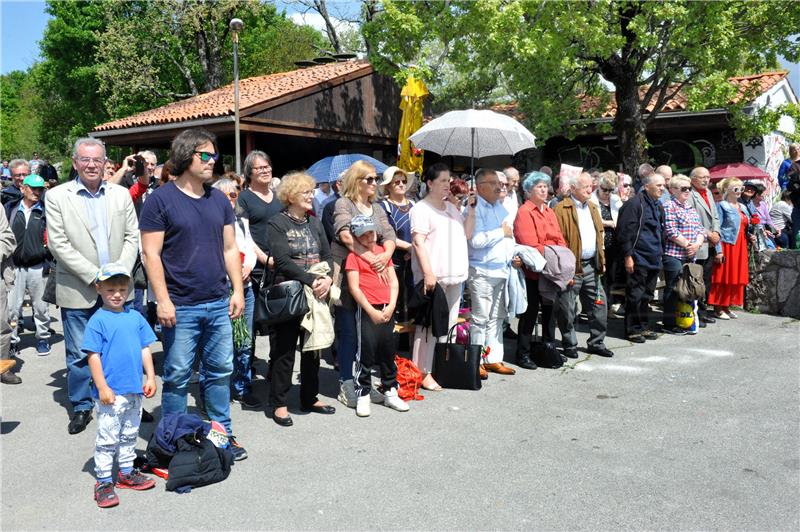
435, 388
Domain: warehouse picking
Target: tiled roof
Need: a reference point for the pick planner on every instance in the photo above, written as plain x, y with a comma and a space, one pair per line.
252, 92
763, 82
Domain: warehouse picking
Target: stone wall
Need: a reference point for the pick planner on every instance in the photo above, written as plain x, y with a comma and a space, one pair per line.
775, 283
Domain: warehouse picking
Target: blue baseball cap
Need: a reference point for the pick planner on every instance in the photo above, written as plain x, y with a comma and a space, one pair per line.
360, 224
112, 269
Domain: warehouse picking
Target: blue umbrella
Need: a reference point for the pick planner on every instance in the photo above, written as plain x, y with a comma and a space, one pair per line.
328, 169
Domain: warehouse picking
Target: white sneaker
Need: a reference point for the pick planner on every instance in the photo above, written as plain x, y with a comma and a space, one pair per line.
347, 393
363, 406
393, 401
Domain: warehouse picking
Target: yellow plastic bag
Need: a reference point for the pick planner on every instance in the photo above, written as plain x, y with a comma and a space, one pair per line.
684, 315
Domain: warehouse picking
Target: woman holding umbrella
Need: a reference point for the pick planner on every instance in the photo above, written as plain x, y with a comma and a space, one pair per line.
358, 196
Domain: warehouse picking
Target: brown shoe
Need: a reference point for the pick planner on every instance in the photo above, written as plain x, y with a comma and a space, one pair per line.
498, 367
484, 373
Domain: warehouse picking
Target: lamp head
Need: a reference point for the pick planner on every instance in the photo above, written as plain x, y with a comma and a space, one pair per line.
236, 24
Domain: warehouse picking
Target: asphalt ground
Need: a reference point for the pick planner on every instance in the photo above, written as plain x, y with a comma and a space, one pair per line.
690, 433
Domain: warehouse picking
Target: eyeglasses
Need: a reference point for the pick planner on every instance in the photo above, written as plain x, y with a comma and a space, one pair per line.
627, 185
609, 190
400, 182
682, 189
86, 160
21, 174
370, 179
306, 193
207, 156
232, 195
503, 185
262, 168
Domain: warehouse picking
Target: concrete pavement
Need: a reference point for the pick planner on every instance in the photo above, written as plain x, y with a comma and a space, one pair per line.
693, 433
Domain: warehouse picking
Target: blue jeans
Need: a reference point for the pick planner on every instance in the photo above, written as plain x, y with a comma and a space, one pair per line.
206, 328
242, 378
138, 302
344, 326
79, 377
672, 269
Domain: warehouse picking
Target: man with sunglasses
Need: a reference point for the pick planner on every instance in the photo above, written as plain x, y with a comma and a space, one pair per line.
89, 224
703, 202
189, 251
20, 169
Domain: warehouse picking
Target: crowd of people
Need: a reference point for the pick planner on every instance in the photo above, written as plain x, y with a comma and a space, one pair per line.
179, 251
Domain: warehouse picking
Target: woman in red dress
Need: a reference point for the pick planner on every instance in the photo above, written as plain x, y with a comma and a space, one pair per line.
730, 269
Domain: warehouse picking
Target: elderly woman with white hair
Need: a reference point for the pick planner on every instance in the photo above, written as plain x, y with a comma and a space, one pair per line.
535, 226
609, 203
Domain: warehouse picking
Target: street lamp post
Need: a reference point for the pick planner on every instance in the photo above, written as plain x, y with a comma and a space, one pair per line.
236, 26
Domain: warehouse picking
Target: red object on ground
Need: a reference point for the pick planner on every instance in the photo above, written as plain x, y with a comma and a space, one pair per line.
730, 277
743, 171
409, 380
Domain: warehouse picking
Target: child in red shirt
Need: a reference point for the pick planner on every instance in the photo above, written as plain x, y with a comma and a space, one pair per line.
376, 296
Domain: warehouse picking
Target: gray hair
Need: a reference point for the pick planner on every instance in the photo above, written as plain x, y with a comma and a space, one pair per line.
646, 179
147, 154
19, 162
645, 170
228, 185
574, 180
87, 141
695, 171
251, 159
678, 180
511, 172
481, 173
534, 178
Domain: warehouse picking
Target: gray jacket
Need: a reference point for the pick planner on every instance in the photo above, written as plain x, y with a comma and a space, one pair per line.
557, 273
709, 218
7, 246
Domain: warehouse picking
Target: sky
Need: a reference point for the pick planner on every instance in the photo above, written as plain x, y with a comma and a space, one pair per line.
22, 24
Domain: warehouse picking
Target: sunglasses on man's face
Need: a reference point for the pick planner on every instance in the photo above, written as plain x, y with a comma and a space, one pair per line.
626, 185
207, 156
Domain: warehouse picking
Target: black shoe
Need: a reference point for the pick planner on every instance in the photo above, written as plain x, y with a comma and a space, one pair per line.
247, 400
10, 378
705, 318
703, 324
147, 417
675, 331
525, 362
636, 338
320, 409
79, 421
650, 335
600, 350
571, 352
283, 421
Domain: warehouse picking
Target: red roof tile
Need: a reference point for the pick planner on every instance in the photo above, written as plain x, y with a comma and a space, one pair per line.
252, 91
764, 82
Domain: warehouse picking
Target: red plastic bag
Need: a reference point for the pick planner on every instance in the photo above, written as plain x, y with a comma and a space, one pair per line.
409, 380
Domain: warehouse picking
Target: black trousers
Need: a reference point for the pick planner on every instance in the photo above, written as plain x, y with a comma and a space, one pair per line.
708, 271
283, 344
375, 346
527, 321
639, 291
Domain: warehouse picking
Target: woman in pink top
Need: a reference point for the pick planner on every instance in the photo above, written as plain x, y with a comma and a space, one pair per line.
439, 256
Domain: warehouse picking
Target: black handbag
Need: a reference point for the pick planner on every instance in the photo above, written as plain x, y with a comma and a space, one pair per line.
278, 303
49, 294
456, 365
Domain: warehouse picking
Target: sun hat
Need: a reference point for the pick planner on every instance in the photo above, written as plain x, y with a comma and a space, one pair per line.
388, 177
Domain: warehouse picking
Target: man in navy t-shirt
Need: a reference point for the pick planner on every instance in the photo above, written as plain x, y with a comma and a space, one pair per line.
189, 251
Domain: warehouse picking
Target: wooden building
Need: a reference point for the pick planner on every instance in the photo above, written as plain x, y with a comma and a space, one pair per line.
296, 117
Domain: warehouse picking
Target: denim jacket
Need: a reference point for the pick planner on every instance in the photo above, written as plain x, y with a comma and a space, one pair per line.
728, 223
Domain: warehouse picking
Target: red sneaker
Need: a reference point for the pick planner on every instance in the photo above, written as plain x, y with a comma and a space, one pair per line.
104, 495
135, 480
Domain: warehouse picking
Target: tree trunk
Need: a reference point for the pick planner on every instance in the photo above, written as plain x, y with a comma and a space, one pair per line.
321, 7
630, 127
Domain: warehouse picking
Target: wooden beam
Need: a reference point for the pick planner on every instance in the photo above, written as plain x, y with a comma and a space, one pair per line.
317, 134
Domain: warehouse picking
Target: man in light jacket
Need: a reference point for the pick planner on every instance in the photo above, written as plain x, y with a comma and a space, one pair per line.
7, 246
89, 223
703, 202
582, 227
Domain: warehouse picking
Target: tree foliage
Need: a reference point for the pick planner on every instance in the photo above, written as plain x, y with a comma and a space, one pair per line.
548, 55
153, 52
19, 121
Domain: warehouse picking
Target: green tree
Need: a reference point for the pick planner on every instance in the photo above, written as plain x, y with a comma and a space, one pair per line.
19, 119
154, 52
66, 78
547, 55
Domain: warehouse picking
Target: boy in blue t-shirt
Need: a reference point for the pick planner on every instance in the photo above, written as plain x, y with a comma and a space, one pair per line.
116, 342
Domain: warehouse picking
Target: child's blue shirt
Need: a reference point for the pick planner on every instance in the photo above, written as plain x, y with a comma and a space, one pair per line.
119, 338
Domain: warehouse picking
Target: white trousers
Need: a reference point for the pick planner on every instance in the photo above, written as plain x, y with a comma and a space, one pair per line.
488, 297
424, 341
117, 430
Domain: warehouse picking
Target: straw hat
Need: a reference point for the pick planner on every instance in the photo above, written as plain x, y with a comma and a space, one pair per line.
388, 176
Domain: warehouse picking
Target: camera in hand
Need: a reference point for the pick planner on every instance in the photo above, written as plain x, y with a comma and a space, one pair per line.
137, 162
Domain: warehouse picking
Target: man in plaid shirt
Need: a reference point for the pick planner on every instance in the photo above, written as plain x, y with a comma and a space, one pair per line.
685, 235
